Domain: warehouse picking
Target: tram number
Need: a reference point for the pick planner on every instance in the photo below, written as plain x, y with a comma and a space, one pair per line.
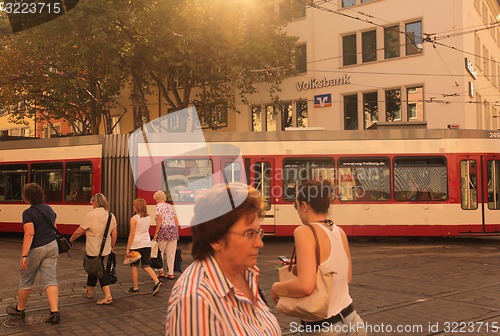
495, 135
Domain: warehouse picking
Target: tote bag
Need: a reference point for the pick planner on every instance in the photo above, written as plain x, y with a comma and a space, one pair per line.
313, 307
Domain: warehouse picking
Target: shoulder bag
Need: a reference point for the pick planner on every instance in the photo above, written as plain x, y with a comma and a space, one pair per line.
94, 265
111, 268
313, 307
62, 243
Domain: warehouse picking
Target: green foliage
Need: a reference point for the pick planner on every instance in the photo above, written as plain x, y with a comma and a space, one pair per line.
205, 53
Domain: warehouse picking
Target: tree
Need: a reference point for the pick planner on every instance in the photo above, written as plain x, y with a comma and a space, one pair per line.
67, 68
205, 53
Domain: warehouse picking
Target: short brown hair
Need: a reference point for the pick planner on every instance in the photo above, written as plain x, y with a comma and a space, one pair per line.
141, 207
215, 229
317, 194
33, 193
101, 201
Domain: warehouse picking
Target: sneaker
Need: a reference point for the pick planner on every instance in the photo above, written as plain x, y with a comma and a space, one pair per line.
54, 318
14, 312
156, 288
133, 290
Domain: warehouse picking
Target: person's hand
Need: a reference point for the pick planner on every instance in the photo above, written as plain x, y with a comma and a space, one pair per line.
24, 263
274, 295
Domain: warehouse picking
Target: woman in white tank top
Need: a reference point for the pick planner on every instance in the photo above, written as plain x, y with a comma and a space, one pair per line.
312, 204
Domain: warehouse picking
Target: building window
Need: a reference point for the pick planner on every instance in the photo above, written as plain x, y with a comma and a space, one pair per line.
115, 125
291, 118
349, 52
351, 112
301, 58
370, 108
415, 103
485, 13
286, 115
393, 105
257, 125
348, 3
50, 132
493, 72
302, 114
486, 62
270, 118
477, 49
369, 46
391, 42
413, 37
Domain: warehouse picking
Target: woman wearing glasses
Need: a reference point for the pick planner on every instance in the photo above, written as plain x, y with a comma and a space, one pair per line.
312, 204
218, 293
93, 225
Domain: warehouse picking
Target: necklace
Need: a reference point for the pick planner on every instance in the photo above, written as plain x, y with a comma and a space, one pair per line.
328, 223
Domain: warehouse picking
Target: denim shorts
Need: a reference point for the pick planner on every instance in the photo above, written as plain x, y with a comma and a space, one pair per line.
43, 260
145, 257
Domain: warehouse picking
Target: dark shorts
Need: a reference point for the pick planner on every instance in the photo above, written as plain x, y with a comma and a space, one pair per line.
145, 257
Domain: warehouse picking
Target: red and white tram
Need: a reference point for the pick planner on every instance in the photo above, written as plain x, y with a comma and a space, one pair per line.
386, 183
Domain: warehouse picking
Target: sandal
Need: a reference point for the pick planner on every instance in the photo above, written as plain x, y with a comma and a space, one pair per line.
105, 301
89, 294
170, 277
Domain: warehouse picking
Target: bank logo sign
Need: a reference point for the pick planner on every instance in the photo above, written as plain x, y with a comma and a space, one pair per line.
324, 100
323, 83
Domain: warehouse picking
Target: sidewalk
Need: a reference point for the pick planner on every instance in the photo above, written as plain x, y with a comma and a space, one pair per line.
400, 287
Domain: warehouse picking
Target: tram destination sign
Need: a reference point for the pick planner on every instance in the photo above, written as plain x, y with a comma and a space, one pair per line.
323, 83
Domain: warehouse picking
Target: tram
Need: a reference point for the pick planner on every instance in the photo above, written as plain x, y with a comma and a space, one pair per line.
384, 182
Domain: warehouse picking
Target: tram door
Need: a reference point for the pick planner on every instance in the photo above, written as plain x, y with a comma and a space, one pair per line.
491, 192
261, 173
479, 191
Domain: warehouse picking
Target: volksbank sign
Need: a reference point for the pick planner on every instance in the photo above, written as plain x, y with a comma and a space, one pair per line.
323, 83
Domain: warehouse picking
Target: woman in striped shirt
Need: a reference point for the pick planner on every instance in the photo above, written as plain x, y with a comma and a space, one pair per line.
218, 293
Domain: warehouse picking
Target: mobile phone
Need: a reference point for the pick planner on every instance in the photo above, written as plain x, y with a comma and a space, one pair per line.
284, 259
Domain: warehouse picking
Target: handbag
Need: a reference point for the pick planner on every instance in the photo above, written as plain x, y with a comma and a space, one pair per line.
93, 265
313, 307
111, 268
62, 243
154, 249
158, 261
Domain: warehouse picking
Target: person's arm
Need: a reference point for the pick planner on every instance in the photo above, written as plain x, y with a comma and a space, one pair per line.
345, 244
159, 220
78, 232
176, 220
305, 282
29, 233
133, 223
114, 237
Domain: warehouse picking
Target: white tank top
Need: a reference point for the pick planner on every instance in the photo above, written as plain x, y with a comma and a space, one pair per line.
141, 234
339, 263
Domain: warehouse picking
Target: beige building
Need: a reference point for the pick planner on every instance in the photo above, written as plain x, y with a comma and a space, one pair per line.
433, 64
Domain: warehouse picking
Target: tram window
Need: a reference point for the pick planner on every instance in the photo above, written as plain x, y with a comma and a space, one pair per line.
78, 187
262, 182
186, 179
468, 184
50, 177
364, 179
298, 170
12, 180
232, 171
493, 177
420, 179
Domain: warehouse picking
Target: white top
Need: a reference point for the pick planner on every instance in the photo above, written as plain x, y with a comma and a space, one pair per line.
94, 224
339, 262
141, 234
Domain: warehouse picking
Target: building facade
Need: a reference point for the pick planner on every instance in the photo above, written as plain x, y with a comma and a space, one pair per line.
432, 64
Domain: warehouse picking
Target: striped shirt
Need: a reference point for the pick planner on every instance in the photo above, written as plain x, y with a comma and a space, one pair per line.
204, 302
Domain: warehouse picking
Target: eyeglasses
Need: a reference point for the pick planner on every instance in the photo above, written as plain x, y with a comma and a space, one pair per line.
250, 234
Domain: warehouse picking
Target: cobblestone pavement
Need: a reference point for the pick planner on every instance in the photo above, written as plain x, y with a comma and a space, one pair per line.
400, 287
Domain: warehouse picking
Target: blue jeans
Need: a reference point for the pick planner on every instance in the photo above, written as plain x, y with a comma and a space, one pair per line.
43, 260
